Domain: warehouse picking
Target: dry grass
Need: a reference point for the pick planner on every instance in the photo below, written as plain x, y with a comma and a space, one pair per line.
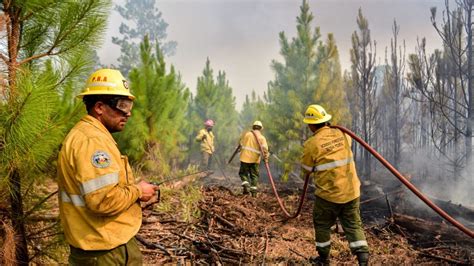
7, 252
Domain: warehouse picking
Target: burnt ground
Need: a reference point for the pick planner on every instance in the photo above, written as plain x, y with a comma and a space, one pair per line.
209, 221
230, 228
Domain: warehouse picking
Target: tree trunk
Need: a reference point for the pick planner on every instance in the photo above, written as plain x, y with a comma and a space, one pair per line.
13, 28
470, 87
17, 216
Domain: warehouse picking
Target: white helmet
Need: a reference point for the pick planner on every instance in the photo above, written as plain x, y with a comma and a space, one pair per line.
257, 123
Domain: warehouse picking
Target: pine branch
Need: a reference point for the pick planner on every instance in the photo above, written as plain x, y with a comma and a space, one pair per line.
29, 212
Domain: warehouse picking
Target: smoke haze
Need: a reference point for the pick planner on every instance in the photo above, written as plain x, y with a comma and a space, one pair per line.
240, 37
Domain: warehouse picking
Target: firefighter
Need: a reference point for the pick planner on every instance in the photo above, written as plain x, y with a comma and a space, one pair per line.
206, 137
328, 155
98, 197
250, 156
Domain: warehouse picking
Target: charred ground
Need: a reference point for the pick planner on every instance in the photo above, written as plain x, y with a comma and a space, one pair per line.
232, 228
211, 222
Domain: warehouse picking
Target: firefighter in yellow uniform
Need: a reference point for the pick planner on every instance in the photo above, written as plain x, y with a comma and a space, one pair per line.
250, 156
328, 155
206, 137
98, 198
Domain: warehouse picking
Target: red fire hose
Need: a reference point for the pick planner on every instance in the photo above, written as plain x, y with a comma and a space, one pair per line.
407, 183
280, 202
392, 169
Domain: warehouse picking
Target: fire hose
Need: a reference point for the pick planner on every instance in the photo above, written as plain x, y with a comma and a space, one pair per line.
407, 183
385, 163
280, 202
169, 179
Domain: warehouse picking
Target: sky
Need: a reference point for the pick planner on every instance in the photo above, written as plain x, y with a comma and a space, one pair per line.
240, 37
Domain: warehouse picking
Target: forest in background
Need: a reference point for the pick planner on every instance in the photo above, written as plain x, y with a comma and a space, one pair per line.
416, 109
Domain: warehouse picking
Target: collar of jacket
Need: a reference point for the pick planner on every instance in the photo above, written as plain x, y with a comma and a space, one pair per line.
97, 124
319, 130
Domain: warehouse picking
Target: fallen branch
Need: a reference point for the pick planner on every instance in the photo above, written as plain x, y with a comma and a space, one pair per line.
297, 253
457, 262
44, 218
431, 229
32, 234
184, 236
266, 247
231, 250
232, 261
29, 212
219, 218
152, 245
381, 196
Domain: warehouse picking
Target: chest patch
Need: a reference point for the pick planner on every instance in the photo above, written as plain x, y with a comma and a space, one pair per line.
100, 159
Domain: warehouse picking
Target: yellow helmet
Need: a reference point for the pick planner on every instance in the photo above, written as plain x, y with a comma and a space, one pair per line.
257, 123
315, 114
106, 82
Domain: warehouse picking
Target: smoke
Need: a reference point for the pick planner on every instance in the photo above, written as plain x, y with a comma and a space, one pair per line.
434, 176
462, 189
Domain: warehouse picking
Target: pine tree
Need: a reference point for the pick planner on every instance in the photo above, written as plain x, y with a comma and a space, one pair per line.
48, 47
330, 90
391, 123
363, 78
309, 74
227, 117
146, 20
214, 100
454, 100
156, 132
293, 87
252, 109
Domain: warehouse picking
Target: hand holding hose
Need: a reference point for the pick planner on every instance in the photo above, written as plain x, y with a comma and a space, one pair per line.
148, 190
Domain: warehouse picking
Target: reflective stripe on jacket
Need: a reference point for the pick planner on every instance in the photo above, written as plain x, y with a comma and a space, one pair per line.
249, 149
207, 144
97, 195
328, 154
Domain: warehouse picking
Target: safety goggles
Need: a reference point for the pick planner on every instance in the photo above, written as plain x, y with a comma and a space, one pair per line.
123, 105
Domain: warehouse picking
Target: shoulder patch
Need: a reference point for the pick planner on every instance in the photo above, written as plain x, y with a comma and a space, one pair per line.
100, 159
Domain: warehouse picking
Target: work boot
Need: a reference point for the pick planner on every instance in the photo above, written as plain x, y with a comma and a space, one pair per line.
363, 258
319, 261
245, 190
253, 190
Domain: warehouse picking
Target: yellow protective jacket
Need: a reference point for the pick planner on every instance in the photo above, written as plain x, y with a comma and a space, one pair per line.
97, 195
207, 144
328, 154
249, 149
